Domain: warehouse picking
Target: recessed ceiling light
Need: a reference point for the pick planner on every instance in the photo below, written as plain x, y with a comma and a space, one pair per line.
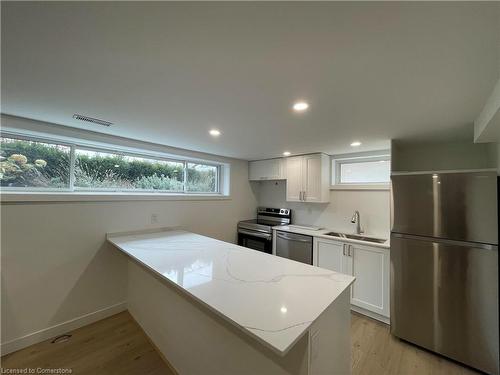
287, 153
355, 144
300, 106
214, 132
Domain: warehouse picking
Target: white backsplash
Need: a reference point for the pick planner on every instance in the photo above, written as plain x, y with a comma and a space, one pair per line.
373, 206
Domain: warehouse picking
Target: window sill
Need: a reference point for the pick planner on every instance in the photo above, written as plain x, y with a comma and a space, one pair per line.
361, 187
19, 196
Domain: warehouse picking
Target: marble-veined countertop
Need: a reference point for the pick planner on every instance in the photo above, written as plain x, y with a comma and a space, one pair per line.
273, 299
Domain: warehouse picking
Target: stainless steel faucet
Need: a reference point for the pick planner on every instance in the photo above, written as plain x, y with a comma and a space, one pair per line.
356, 219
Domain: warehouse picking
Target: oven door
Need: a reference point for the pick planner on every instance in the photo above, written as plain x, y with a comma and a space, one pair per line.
256, 240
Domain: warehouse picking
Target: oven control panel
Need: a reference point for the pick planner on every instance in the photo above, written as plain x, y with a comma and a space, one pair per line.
276, 211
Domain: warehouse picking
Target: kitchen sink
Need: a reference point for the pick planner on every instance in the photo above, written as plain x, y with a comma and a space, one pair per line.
335, 234
355, 237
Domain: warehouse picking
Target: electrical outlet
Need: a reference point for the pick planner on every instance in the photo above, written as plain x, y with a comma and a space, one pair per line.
154, 218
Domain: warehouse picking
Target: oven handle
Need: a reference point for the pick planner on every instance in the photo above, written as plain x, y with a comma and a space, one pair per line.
266, 236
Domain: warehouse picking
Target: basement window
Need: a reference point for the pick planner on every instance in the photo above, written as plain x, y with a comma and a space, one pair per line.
361, 171
202, 178
102, 171
29, 164
32, 165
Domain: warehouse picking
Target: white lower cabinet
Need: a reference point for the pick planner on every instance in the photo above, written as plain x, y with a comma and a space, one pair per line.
330, 255
368, 264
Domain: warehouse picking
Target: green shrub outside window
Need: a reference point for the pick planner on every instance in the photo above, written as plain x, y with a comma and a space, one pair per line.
100, 170
35, 165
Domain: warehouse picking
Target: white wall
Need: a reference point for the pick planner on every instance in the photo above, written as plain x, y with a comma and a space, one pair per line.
56, 265
373, 205
428, 156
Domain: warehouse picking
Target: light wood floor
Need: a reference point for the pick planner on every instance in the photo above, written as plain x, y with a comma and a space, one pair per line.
117, 345
375, 351
112, 346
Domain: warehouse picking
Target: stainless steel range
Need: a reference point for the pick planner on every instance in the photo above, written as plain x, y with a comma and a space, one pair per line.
257, 234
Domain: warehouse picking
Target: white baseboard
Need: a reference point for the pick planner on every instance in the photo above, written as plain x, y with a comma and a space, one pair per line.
61, 328
371, 314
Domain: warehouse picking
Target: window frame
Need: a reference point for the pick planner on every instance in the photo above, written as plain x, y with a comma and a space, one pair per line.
338, 160
124, 153
41, 140
67, 194
218, 183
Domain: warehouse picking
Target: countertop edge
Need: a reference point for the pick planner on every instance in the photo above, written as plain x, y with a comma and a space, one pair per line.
243, 329
111, 235
321, 234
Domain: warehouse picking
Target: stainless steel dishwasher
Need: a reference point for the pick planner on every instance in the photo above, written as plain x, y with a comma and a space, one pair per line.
294, 246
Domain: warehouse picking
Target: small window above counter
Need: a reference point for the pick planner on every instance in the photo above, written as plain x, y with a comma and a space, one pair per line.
361, 171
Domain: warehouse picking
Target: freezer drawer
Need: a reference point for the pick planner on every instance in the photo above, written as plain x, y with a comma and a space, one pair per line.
294, 246
459, 206
444, 297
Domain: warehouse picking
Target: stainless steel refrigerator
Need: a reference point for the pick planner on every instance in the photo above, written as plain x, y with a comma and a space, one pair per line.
444, 265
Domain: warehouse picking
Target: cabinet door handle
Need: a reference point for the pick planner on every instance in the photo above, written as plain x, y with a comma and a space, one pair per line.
343, 249
350, 250
304, 195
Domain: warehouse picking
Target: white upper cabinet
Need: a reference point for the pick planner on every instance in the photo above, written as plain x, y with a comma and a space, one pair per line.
270, 169
294, 185
308, 178
316, 181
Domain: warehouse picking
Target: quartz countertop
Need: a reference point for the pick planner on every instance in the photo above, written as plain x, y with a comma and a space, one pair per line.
273, 299
322, 234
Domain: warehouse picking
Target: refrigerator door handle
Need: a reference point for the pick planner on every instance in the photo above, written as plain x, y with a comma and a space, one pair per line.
445, 241
391, 207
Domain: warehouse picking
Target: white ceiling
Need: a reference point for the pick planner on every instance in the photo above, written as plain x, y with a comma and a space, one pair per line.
168, 72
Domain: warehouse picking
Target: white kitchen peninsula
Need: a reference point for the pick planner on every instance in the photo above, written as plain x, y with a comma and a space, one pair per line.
212, 307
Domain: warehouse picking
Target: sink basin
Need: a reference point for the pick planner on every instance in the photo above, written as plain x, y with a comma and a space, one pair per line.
335, 234
355, 237
363, 238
